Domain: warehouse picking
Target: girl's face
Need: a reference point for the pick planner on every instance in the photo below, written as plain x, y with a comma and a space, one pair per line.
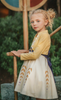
38, 22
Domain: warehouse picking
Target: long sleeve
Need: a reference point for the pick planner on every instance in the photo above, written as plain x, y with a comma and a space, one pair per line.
42, 48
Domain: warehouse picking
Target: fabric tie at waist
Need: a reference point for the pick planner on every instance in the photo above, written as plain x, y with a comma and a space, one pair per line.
47, 56
48, 60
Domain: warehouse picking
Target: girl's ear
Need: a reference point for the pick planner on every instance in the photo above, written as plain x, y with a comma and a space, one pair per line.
46, 22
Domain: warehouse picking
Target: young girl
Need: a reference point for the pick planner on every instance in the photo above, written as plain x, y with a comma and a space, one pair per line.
36, 77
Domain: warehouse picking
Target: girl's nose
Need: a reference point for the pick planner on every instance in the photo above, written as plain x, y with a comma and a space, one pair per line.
35, 23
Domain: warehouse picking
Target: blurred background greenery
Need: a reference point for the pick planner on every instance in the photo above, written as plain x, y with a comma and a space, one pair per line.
11, 38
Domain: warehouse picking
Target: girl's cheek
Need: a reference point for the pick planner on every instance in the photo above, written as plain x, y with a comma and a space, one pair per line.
32, 25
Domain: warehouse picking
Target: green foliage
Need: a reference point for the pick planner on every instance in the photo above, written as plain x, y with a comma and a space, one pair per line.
11, 38
55, 49
56, 62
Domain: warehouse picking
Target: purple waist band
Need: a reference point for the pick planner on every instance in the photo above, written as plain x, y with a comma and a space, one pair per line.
48, 60
47, 56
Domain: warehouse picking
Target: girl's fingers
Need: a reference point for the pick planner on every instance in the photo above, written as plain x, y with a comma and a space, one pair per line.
16, 53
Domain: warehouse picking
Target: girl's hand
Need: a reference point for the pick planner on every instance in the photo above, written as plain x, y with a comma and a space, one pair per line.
23, 51
16, 53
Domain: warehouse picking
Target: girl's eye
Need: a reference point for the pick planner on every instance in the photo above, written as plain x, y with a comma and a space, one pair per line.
38, 21
32, 22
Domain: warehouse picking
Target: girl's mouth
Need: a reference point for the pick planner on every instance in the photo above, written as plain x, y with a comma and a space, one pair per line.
35, 27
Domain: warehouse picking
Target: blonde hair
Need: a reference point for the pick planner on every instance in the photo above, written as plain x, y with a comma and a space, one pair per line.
49, 15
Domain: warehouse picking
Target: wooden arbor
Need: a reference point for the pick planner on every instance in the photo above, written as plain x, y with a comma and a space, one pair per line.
59, 6
24, 5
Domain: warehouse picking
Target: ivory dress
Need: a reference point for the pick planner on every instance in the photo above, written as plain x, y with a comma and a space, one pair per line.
35, 77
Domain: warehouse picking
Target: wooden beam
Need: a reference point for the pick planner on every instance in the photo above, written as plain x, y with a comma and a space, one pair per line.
15, 76
25, 24
55, 31
45, 6
58, 5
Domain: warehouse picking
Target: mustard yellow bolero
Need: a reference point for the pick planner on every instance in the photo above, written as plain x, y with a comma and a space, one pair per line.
40, 45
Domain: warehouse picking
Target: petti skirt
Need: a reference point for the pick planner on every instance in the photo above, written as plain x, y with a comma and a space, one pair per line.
36, 79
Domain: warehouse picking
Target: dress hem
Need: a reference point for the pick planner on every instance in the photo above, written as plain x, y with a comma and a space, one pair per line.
35, 96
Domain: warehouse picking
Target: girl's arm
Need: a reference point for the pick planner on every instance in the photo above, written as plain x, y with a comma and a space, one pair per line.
23, 51
18, 53
42, 48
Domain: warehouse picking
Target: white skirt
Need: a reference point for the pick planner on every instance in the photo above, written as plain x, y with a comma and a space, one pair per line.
36, 79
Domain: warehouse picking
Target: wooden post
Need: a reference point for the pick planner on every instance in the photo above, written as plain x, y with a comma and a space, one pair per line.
58, 5
25, 24
15, 72
45, 6
15, 76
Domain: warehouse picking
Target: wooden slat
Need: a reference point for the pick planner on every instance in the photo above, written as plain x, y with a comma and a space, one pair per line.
55, 31
21, 5
25, 25
37, 6
10, 54
9, 6
15, 76
58, 4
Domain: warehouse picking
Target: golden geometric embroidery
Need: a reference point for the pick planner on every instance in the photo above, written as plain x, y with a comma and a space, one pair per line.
27, 76
23, 70
47, 83
26, 79
21, 76
22, 73
47, 79
28, 72
24, 66
30, 69
46, 72
47, 75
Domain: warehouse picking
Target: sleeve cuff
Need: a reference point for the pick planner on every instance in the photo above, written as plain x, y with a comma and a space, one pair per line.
21, 57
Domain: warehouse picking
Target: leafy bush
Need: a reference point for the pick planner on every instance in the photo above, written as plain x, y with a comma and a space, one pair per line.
11, 38
56, 48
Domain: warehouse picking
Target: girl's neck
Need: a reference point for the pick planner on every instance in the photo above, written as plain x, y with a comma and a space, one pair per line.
42, 30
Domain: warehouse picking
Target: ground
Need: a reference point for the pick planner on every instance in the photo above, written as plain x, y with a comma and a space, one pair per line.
5, 77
